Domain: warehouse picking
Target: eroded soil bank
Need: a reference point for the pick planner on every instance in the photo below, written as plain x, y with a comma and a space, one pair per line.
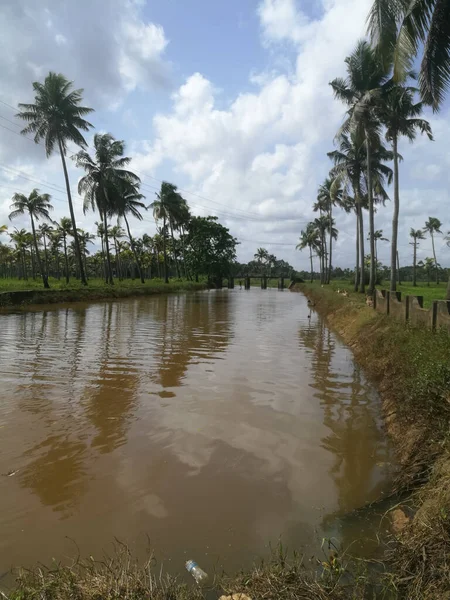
411, 368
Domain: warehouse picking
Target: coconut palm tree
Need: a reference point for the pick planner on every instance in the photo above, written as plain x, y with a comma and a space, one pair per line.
129, 203
56, 117
349, 171
55, 248
37, 206
399, 114
105, 176
261, 256
20, 238
362, 91
45, 231
65, 229
428, 264
432, 226
166, 197
309, 238
85, 238
378, 237
329, 195
400, 29
116, 232
416, 234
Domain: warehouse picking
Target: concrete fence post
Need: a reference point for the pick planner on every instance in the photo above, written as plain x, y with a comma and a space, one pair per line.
434, 313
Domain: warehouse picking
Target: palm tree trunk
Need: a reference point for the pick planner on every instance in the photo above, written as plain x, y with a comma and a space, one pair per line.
311, 261
398, 270
415, 263
331, 243
72, 216
133, 249
33, 266
393, 286
24, 264
118, 268
45, 254
38, 258
174, 250
372, 278
362, 284
183, 249
357, 251
166, 277
66, 261
109, 275
435, 261
448, 287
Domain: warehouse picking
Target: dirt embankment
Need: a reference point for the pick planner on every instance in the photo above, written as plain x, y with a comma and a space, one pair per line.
411, 369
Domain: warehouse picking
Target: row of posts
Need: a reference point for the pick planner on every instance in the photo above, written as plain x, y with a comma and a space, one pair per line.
247, 284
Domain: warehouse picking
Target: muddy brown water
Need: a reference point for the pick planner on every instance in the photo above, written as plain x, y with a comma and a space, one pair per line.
202, 425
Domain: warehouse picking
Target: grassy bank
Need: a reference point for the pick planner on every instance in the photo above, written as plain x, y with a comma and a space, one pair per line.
429, 293
411, 368
20, 293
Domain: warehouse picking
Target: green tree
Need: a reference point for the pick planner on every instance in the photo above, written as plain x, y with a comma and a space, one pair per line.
105, 177
129, 203
433, 226
309, 238
166, 198
261, 256
56, 117
362, 91
401, 28
210, 248
416, 234
399, 114
65, 229
330, 195
37, 206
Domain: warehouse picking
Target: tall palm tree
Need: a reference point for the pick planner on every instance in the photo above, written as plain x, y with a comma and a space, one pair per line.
129, 203
167, 196
65, 229
432, 226
261, 256
309, 238
116, 232
57, 118
416, 234
399, 114
20, 239
329, 195
362, 91
37, 206
148, 246
85, 238
350, 165
45, 231
105, 176
378, 237
56, 239
401, 28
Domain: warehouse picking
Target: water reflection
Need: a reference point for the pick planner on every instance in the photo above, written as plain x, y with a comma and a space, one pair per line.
211, 422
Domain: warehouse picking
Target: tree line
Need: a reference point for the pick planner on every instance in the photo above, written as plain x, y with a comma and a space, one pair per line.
184, 244
384, 101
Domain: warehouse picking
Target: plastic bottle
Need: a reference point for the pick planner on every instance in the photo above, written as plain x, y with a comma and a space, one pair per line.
198, 574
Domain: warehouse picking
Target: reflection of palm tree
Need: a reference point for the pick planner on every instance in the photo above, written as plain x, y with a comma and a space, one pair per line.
349, 413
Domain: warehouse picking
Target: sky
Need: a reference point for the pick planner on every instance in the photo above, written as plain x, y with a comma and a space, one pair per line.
228, 100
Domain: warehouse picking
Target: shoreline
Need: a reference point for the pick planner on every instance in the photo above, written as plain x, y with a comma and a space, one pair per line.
410, 368
27, 299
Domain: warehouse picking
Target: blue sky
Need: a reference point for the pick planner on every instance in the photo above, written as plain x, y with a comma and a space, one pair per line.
229, 100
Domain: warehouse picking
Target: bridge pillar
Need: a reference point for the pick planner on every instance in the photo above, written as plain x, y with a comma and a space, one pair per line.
281, 283
231, 283
247, 283
264, 282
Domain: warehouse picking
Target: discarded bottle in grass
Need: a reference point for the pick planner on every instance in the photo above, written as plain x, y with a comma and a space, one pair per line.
198, 574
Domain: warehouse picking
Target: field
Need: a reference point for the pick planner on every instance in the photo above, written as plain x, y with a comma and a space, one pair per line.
434, 292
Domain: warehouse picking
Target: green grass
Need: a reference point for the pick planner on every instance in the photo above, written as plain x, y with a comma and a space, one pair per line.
434, 292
